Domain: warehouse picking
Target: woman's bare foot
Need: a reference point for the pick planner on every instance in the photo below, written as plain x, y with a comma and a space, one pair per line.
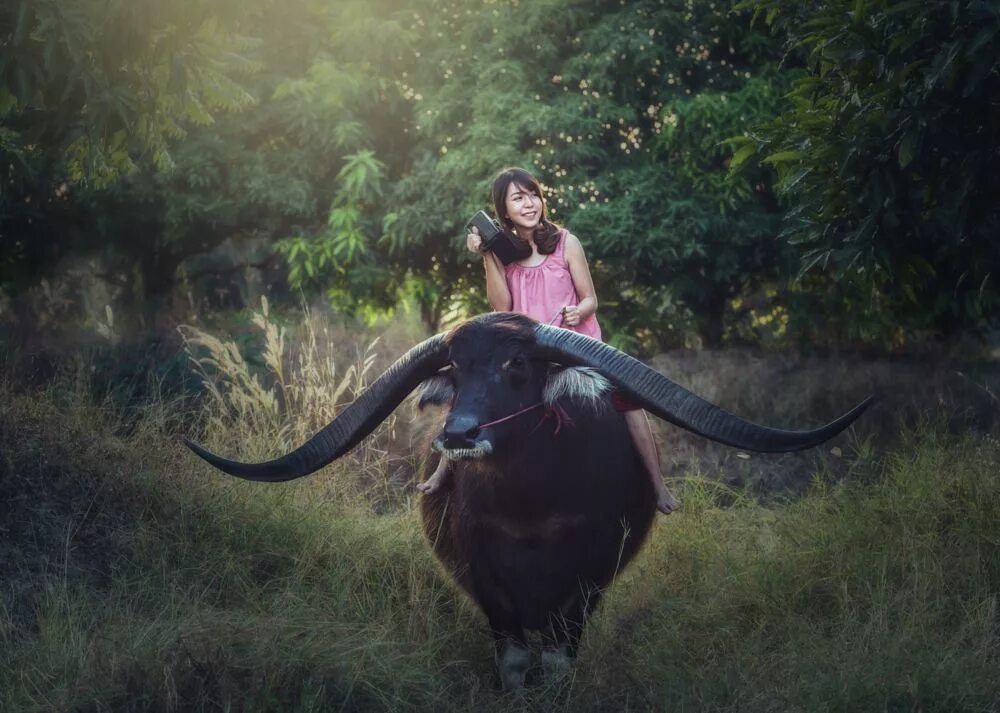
437, 479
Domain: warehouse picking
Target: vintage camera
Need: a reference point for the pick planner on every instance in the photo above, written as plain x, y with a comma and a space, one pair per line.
495, 238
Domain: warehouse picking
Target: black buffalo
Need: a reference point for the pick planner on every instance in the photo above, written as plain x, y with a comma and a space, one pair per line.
548, 498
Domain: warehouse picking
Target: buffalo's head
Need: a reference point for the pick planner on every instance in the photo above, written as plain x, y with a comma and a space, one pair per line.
495, 373
498, 364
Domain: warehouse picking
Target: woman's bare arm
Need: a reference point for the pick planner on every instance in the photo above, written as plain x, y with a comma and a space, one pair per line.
497, 291
582, 282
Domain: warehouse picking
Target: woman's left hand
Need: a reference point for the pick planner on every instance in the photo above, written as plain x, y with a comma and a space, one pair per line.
571, 315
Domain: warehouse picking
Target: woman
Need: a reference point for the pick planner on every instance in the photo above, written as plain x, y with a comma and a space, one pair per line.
550, 281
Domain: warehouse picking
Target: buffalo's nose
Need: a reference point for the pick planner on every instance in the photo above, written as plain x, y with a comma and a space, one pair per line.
460, 431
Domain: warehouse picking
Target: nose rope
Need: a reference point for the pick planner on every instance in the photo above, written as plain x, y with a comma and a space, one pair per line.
559, 414
556, 411
513, 415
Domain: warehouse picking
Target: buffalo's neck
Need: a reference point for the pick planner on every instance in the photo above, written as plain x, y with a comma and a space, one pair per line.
530, 475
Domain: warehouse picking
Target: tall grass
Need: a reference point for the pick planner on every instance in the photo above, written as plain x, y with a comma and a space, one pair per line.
257, 411
295, 395
135, 578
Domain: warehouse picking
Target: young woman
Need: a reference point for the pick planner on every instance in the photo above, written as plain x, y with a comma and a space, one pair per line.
551, 277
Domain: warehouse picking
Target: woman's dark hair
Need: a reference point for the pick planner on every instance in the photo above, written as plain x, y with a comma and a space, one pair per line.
546, 233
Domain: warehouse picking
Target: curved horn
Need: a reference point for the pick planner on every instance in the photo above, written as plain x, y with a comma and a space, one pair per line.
347, 429
674, 403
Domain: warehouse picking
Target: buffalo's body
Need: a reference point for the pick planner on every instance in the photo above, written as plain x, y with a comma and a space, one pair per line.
534, 534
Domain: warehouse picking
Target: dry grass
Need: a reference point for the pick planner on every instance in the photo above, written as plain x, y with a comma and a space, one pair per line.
257, 411
791, 391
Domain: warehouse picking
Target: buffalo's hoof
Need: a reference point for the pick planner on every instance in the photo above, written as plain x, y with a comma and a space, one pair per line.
514, 662
556, 662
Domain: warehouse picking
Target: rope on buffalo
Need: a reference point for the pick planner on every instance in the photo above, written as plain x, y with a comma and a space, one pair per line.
555, 410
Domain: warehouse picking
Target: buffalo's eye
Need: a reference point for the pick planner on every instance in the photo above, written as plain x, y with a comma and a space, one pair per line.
517, 368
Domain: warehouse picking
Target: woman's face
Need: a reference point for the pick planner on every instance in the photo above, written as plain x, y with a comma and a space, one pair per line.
524, 206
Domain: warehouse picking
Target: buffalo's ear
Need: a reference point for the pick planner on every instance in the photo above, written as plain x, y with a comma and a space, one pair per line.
436, 391
575, 382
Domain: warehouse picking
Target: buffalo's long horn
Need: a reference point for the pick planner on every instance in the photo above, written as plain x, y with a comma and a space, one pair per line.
674, 403
347, 429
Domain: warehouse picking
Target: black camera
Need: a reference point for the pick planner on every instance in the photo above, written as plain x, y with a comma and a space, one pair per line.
495, 238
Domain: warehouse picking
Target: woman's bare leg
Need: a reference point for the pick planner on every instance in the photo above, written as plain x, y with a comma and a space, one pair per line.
642, 436
438, 477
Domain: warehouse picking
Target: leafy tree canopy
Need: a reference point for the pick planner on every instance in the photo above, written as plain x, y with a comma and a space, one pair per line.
98, 81
355, 138
887, 157
89, 90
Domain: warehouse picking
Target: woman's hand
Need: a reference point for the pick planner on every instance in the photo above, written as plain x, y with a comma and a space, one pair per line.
473, 242
572, 315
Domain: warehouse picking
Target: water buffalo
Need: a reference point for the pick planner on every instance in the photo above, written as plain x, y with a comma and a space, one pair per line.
548, 498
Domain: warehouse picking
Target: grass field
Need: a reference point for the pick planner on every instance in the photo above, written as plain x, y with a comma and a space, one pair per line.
135, 578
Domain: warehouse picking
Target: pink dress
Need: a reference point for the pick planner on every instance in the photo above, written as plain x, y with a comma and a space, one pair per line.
541, 291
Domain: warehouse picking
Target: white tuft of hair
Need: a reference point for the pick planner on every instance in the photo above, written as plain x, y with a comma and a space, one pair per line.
438, 390
577, 382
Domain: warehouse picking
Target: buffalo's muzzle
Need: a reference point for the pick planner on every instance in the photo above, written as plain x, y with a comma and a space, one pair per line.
460, 431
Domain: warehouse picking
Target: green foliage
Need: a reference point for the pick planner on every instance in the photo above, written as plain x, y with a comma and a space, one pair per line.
97, 104
369, 132
91, 90
344, 245
886, 156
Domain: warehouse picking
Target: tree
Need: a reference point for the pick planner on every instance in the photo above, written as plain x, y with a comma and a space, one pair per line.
674, 227
98, 82
887, 153
347, 111
92, 88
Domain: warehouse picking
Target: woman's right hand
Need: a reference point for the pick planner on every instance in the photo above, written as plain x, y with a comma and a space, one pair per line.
473, 241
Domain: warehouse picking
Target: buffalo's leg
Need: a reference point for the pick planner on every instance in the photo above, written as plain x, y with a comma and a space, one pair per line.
561, 638
512, 654
513, 661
